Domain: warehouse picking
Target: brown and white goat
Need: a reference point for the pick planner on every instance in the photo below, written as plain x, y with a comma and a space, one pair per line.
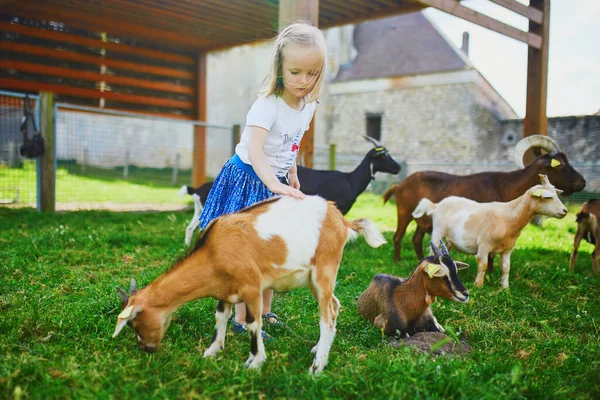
488, 228
402, 306
282, 243
588, 228
481, 187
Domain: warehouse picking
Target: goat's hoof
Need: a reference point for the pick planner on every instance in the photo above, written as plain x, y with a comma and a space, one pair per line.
317, 367
212, 351
254, 362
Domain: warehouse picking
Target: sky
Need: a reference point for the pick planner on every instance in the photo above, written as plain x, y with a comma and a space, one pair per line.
574, 54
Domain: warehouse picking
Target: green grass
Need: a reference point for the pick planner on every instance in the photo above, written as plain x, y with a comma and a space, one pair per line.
58, 309
97, 185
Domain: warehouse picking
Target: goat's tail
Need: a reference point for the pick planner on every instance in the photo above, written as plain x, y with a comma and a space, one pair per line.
373, 236
581, 216
185, 189
590, 222
388, 193
425, 206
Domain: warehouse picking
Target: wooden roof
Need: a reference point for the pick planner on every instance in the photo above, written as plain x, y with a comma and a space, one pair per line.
192, 26
141, 55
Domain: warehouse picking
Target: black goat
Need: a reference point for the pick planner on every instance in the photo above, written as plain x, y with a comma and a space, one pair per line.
340, 187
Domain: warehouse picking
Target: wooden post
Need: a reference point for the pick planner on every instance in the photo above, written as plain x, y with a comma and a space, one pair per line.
235, 137
199, 152
46, 164
11, 154
294, 10
84, 160
126, 166
536, 120
307, 10
175, 175
332, 156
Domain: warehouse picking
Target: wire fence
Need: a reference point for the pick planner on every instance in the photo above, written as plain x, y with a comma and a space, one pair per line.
108, 159
18, 183
125, 161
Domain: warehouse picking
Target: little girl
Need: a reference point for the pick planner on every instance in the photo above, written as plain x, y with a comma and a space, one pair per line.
265, 158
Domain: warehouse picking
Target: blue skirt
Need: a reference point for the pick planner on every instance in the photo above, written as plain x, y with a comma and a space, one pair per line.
237, 186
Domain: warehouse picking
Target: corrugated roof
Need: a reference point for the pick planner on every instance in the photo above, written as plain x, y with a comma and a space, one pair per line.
401, 45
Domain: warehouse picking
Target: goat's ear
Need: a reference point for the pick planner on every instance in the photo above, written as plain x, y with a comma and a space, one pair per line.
542, 193
461, 265
128, 314
435, 270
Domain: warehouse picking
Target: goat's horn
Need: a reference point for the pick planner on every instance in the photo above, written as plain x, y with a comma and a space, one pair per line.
444, 248
132, 288
436, 251
123, 295
375, 142
531, 142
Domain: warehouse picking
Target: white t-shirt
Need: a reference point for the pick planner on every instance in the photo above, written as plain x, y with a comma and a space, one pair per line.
286, 127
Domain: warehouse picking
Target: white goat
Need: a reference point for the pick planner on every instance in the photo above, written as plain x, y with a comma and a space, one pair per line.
282, 243
485, 229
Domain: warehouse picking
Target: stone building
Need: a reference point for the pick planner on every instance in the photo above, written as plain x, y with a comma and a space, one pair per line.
411, 88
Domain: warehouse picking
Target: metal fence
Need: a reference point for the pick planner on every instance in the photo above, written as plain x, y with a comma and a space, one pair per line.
126, 161
108, 159
18, 183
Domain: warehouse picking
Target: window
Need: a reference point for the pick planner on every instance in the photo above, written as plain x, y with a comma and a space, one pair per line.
374, 126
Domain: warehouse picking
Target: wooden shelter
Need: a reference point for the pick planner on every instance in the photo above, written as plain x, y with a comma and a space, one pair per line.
150, 55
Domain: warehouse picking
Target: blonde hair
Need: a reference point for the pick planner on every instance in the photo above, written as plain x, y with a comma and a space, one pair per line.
300, 33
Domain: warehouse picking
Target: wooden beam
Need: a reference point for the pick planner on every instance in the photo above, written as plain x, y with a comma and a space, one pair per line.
290, 11
93, 76
536, 120
530, 13
47, 34
95, 60
199, 151
31, 86
47, 163
117, 27
293, 10
454, 8
405, 8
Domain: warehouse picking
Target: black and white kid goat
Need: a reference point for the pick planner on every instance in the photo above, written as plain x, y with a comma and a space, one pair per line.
340, 187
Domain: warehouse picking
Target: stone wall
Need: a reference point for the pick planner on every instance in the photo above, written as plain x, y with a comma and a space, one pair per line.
577, 136
442, 123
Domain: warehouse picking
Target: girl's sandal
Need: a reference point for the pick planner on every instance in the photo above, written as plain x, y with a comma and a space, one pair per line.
242, 329
272, 320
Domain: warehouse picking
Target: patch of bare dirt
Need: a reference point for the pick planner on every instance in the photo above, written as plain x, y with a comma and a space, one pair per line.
425, 341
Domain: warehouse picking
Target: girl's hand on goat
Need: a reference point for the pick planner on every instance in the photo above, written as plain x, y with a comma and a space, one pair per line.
280, 188
293, 180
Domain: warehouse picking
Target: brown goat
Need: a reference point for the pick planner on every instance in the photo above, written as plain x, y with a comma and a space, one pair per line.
588, 228
482, 187
401, 307
282, 243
